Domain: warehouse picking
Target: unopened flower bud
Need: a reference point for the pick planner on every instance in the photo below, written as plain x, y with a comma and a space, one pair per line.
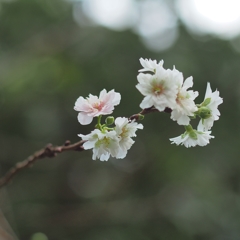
140, 117
109, 120
204, 112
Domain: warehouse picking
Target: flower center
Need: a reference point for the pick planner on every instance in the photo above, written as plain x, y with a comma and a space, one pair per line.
105, 141
98, 106
157, 89
179, 98
124, 133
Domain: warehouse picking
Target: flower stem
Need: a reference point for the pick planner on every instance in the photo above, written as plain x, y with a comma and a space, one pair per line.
99, 122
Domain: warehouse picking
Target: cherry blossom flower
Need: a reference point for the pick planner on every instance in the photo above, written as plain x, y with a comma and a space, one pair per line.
104, 144
211, 102
160, 89
94, 106
192, 138
149, 65
114, 142
125, 131
185, 105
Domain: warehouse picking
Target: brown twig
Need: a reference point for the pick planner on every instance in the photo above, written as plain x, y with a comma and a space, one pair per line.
51, 151
48, 151
146, 111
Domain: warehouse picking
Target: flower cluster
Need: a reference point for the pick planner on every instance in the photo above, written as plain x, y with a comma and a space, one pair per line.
106, 141
165, 88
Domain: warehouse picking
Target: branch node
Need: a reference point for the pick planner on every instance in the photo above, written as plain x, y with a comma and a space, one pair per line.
67, 143
49, 151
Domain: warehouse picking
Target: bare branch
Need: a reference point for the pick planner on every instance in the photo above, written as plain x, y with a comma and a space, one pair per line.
146, 111
48, 151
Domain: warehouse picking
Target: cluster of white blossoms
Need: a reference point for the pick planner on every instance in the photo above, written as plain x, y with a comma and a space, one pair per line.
106, 141
166, 89
163, 89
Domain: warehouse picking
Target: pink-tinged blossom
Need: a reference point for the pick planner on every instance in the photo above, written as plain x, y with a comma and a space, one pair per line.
185, 105
160, 89
211, 101
149, 65
103, 144
193, 138
125, 131
94, 106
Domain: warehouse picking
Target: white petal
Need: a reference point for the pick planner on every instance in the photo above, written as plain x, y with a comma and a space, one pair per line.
117, 99
105, 157
121, 121
147, 102
188, 83
208, 91
84, 119
102, 94
88, 145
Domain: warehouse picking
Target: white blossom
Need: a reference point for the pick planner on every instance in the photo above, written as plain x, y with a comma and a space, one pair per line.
125, 131
185, 105
103, 144
94, 106
160, 89
149, 65
193, 138
113, 142
211, 101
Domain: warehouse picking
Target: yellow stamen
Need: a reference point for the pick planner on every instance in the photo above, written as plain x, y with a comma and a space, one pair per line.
157, 89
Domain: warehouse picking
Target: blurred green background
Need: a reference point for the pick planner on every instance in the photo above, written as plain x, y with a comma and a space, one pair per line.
51, 53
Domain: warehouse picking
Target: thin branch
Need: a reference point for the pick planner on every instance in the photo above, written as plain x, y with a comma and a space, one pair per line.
146, 111
51, 151
48, 151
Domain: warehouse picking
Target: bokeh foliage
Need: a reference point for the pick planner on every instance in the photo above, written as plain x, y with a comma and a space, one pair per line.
160, 191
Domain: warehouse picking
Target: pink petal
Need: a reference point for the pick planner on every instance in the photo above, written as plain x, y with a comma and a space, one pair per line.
82, 105
102, 94
84, 119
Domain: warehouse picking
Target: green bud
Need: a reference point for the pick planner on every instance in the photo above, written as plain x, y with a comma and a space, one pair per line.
109, 120
204, 112
140, 116
39, 236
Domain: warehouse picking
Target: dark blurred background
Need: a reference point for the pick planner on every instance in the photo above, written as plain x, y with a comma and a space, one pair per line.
52, 52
